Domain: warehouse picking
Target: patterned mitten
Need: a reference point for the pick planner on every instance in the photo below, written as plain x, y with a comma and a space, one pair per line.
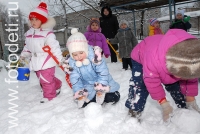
193, 105
81, 97
98, 57
101, 92
166, 110
66, 65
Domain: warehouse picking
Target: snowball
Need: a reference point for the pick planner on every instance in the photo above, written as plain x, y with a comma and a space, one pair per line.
187, 120
93, 110
94, 115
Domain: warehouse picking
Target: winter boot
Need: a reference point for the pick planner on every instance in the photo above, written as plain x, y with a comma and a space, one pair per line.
193, 105
112, 97
134, 114
58, 91
44, 100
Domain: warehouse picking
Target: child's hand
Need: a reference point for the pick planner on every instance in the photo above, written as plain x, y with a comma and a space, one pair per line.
166, 110
107, 55
66, 65
81, 96
186, 19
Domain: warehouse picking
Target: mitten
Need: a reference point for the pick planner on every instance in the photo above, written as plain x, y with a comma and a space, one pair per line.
22, 62
97, 52
166, 110
107, 55
186, 19
101, 92
193, 105
81, 97
66, 65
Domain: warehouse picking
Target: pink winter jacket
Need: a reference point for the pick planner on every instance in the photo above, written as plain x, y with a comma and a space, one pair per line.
151, 53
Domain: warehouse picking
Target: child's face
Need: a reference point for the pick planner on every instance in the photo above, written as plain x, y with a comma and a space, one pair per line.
123, 26
94, 26
156, 24
79, 56
179, 16
36, 23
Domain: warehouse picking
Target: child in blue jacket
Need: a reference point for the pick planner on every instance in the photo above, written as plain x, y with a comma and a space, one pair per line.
91, 80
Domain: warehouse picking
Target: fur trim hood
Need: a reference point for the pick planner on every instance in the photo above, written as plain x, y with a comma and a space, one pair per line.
50, 24
176, 36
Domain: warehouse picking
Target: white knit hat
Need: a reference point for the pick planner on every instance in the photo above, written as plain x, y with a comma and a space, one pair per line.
180, 12
40, 12
123, 22
77, 42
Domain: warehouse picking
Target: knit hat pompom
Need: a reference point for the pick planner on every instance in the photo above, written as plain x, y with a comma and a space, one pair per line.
152, 21
77, 42
183, 59
40, 12
74, 30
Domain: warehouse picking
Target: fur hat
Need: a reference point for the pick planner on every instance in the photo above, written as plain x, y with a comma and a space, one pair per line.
40, 12
77, 42
152, 21
123, 22
180, 12
183, 59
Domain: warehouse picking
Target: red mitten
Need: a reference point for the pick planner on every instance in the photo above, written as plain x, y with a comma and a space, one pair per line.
107, 55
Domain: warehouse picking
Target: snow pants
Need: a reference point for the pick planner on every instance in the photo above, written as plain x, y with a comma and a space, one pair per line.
138, 92
126, 62
113, 55
48, 82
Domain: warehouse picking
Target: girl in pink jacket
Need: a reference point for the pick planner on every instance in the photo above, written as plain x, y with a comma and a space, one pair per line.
172, 60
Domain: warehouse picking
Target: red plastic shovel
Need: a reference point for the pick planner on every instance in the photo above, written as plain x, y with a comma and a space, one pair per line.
48, 50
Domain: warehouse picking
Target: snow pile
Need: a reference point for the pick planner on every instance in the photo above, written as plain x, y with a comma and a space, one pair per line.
186, 120
94, 115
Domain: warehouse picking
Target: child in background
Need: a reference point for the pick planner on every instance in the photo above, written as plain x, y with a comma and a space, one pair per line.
170, 59
181, 21
95, 37
154, 27
91, 82
127, 41
39, 35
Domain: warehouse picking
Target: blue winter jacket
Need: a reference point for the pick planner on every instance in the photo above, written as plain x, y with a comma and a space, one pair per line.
85, 76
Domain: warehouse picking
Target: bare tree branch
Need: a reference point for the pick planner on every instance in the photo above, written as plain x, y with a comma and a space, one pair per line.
76, 11
92, 7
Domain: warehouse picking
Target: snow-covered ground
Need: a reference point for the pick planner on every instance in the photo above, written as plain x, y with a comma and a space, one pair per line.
61, 115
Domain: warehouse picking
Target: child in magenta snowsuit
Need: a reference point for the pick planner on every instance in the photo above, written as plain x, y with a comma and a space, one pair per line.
96, 38
39, 35
171, 60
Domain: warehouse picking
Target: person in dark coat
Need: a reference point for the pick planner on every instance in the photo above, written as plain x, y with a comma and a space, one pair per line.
181, 21
109, 25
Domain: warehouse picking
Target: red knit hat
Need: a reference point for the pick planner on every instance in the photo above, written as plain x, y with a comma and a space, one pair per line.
40, 12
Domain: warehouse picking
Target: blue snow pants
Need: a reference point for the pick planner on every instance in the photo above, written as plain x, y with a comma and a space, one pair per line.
138, 92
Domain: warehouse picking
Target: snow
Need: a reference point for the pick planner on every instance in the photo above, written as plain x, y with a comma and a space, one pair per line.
62, 116
191, 14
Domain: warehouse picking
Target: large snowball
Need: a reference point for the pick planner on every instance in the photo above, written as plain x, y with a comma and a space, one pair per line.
187, 120
94, 115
